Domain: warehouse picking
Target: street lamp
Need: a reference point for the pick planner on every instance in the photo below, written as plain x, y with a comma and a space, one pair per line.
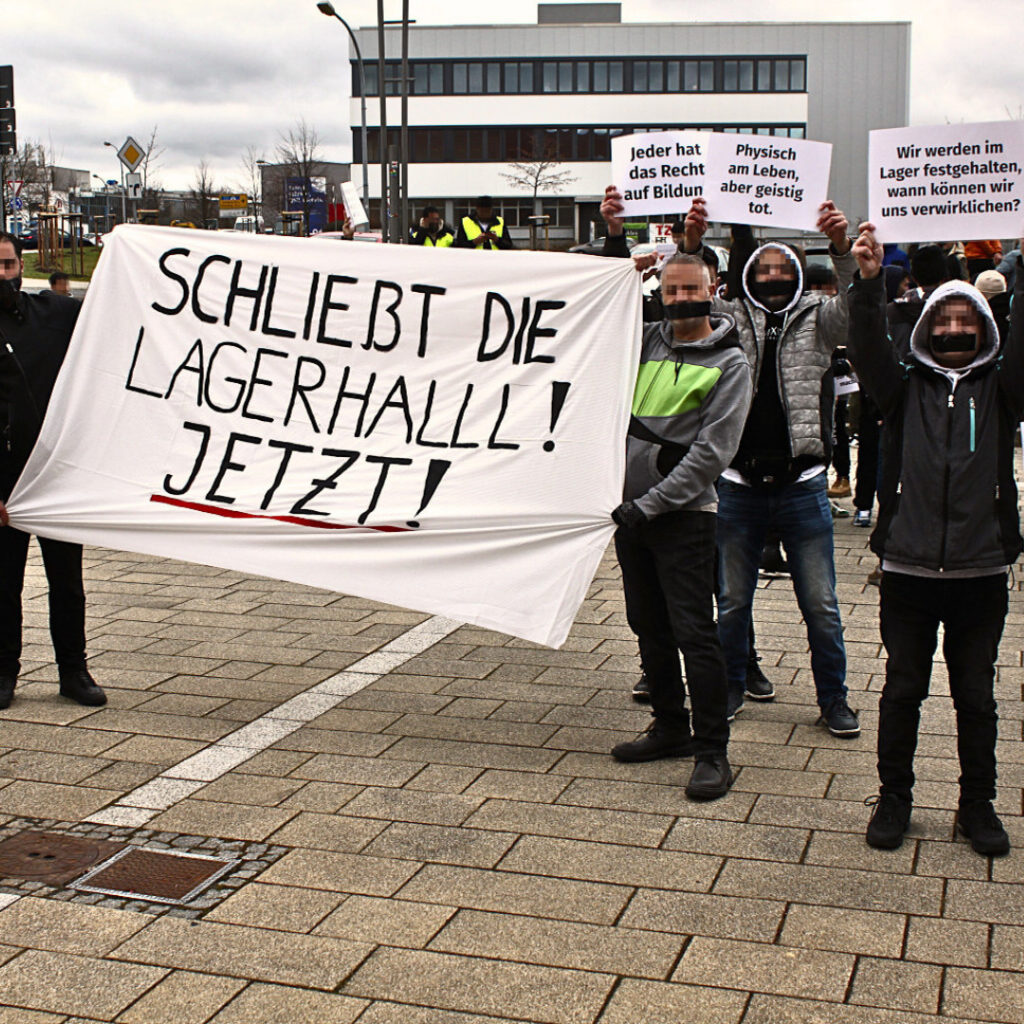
106, 197
124, 214
328, 9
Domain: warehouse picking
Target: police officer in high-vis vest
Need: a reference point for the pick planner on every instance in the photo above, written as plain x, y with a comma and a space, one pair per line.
432, 230
485, 230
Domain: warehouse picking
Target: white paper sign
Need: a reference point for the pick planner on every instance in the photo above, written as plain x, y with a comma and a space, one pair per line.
353, 204
947, 183
440, 430
658, 172
761, 179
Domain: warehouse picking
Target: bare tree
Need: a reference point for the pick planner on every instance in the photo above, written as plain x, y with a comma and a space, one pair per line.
150, 162
298, 153
252, 175
204, 194
534, 176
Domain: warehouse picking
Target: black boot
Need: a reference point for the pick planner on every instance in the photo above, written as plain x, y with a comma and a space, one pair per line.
711, 778
978, 822
653, 744
80, 687
7, 684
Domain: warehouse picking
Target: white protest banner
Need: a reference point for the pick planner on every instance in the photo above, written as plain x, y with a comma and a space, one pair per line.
658, 172
761, 179
947, 183
442, 430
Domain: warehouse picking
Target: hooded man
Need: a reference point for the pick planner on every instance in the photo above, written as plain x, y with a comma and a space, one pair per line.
691, 398
35, 331
947, 531
777, 481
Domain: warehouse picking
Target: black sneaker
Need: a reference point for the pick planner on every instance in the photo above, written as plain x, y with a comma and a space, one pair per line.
642, 690
733, 707
711, 778
653, 744
978, 822
7, 684
889, 820
758, 686
772, 561
81, 687
841, 719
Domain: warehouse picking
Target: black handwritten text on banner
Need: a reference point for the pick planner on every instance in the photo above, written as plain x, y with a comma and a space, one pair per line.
424, 427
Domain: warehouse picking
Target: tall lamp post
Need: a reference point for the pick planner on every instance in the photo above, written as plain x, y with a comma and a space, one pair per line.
328, 9
124, 213
106, 196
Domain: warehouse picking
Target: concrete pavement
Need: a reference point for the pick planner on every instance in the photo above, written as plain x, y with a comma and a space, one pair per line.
429, 828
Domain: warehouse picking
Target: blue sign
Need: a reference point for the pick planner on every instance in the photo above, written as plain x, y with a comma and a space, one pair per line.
310, 196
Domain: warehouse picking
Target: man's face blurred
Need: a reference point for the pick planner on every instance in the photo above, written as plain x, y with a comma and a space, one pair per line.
433, 221
774, 269
484, 212
685, 282
62, 286
956, 333
677, 237
825, 287
10, 262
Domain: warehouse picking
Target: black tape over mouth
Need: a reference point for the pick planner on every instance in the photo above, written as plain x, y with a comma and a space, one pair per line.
687, 310
944, 344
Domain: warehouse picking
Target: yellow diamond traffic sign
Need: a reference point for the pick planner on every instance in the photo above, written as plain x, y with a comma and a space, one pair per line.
131, 154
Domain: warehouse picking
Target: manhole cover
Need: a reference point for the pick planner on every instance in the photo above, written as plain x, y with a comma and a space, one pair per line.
51, 858
157, 875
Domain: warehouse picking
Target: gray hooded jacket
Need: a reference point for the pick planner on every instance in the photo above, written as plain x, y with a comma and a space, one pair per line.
814, 324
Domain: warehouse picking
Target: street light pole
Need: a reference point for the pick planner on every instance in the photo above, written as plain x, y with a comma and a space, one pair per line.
124, 213
328, 9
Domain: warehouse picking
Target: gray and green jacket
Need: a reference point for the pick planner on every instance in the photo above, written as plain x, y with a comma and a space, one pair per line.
689, 407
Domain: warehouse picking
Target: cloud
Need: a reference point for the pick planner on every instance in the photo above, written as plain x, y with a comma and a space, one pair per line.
218, 76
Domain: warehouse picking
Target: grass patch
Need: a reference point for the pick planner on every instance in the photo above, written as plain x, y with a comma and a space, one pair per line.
90, 254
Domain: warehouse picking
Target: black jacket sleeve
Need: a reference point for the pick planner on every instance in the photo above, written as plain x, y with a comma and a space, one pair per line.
1011, 377
869, 347
615, 245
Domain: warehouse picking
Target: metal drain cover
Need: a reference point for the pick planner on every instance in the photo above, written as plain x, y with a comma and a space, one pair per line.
161, 876
51, 858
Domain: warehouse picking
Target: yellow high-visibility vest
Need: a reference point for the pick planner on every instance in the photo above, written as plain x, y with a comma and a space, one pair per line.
441, 242
474, 231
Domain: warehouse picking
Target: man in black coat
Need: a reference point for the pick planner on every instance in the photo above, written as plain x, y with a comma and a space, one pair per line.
947, 531
35, 331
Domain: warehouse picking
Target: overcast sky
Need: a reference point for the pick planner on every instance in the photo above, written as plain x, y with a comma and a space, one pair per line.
218, 76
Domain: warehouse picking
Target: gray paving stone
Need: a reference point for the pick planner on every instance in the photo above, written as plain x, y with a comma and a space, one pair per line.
985, 995
632, 828
584, 947
544, 994
605, 862
827, 886
725, 917
656, 1002
514, 893
760, 967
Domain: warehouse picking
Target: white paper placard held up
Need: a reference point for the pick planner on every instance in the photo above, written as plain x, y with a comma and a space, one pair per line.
766, 180
659, 172
437, 430
948, 182
354, 208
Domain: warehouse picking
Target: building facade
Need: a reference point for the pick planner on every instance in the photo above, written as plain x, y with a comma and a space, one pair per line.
484, 97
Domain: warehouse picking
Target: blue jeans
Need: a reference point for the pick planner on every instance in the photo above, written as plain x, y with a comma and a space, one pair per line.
800, 514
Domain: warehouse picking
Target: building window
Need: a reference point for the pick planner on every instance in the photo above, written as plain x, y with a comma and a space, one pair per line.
719, 74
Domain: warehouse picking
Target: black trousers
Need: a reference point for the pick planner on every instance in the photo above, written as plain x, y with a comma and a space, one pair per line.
972, 612
868, 444
668, 567
63, 564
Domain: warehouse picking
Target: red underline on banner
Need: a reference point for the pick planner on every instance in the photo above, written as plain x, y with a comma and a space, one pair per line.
234, 513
